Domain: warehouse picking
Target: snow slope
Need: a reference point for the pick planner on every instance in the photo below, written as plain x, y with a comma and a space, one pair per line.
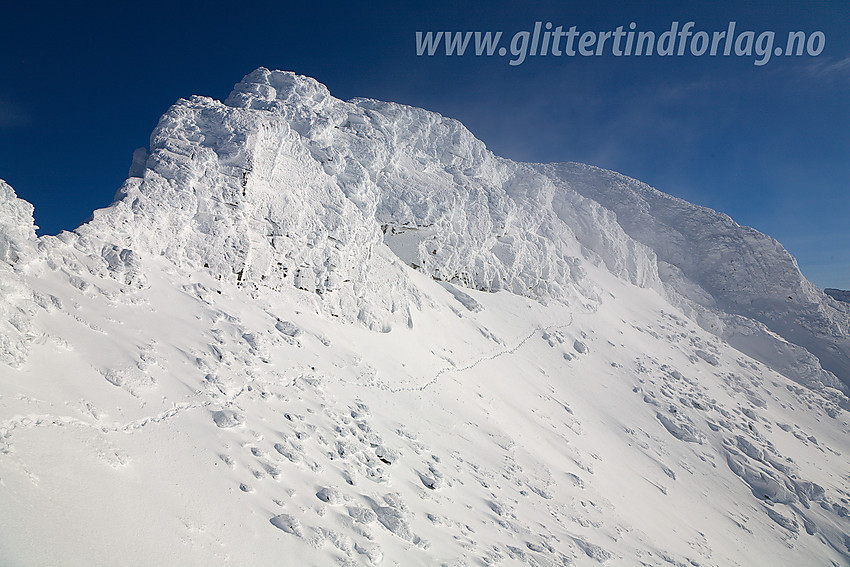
321, 332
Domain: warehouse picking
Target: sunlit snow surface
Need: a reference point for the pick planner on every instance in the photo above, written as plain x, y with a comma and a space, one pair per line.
311, 332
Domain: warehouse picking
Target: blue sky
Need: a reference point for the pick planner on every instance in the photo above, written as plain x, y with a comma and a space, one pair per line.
82, 86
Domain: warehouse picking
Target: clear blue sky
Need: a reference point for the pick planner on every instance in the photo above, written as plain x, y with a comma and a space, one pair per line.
82, 85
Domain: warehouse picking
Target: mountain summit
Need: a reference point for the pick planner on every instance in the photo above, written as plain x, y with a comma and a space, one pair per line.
349, 333
285, 185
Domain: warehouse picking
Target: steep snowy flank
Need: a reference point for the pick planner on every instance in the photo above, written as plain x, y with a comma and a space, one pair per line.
710, 260
345, 333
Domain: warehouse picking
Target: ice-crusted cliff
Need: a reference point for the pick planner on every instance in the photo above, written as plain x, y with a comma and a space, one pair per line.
283, 184
17, 241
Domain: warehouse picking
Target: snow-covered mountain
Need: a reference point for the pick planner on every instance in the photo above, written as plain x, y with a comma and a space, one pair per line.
322, 332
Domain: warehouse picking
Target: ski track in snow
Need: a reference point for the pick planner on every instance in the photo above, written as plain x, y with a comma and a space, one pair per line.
8, 427
472, 365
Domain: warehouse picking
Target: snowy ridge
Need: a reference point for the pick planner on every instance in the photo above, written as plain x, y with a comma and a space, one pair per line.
246, 357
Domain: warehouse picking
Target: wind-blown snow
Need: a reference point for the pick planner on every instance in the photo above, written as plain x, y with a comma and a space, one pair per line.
246, 357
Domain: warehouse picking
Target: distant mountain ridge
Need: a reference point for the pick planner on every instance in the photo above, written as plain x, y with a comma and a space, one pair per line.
838, 294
